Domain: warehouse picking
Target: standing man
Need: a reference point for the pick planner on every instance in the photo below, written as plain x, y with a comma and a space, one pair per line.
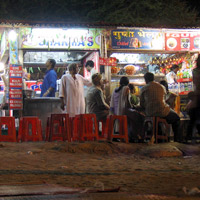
72, 92
171, 76
152, 100
90, 67
49, 84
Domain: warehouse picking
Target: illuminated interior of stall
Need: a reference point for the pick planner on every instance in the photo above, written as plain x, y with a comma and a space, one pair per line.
34, 61
156, 63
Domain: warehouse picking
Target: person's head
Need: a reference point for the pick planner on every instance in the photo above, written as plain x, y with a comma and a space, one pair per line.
124, 81
148, 77
73, 68
89, 65
132, 88
97, 79
50, 64
175, 68
165, 84
191, 95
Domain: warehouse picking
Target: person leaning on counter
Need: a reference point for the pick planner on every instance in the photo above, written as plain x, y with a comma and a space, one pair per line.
48, 88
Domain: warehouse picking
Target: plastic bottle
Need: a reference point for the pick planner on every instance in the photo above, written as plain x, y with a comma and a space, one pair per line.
182, 87
176, 88
189, 86
186, 86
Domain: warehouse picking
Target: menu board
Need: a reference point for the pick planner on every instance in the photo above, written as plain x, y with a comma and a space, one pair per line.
151, 39
15, 87
182, 41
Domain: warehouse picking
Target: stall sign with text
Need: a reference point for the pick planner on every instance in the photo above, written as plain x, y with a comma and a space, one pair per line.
150, 39
108, 61
182, 41
15, 87
58, 38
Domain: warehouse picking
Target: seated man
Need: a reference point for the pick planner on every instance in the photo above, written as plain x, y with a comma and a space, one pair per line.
95, 102
152, 100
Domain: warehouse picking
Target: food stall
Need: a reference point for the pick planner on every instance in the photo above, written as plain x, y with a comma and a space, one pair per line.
30, 50
139, 50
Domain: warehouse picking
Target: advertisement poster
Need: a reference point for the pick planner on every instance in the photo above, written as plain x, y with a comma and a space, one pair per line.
182, 41
95, 58
149, 39
58, 38
15, 87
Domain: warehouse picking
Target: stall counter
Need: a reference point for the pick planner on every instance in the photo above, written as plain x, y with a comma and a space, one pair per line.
42, 107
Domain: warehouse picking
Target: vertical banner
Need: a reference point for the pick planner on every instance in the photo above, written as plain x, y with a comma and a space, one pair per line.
13, 52
15, 87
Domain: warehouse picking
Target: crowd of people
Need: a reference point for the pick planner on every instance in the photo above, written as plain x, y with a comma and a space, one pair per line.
154, 99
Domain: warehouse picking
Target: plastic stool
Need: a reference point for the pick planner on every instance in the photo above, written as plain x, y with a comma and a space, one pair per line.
155, 121
123, 127
24, 129
47, 130
59, 128
11, 131
89, 126
164, 135
76, 128
149, 127
105, 128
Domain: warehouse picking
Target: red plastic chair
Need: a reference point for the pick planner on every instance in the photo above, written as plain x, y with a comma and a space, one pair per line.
9, 123
47, 130
30, 129
122, 133
76, 128
155, 121
59, 128
89, 126
105, 128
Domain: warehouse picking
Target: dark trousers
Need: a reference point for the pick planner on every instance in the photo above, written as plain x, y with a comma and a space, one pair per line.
194, 114
173, 119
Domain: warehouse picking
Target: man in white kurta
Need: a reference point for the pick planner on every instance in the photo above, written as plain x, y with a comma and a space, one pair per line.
72, 91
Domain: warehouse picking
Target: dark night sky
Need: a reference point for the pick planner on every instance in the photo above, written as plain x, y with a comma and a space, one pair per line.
194, 4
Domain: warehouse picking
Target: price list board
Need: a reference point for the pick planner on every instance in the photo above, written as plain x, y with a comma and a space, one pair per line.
15, 87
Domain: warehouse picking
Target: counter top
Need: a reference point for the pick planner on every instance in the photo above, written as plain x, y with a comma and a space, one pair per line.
43, 99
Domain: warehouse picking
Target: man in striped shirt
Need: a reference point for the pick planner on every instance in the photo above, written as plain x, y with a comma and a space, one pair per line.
152, 100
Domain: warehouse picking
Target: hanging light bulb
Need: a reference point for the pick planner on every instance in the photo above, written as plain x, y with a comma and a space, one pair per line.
12, 35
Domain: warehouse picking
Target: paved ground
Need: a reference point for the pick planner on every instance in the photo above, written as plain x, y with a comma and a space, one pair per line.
141, 171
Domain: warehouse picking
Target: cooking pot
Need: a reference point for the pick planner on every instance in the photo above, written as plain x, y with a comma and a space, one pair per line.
29, 93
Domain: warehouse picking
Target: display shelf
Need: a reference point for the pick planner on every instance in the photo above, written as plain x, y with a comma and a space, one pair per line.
184, 93
136, 76
182, 80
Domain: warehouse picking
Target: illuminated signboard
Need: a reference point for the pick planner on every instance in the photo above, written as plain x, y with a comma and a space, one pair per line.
149, 39
52, 38
182, 41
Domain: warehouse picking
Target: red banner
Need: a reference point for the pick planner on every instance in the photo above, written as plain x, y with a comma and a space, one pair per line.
108, 61
15, 104
182, 41
15, 87
15, 94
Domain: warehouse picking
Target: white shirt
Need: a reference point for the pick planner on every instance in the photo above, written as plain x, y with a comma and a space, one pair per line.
171, 77
73, 93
